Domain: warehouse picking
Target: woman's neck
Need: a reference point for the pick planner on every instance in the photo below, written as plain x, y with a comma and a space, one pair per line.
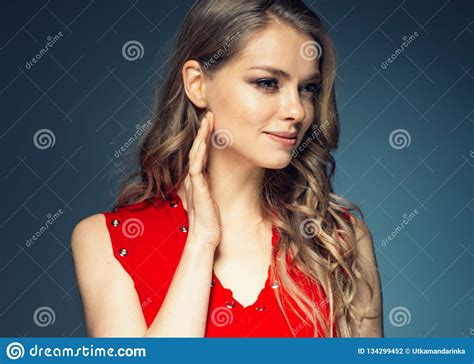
235, 185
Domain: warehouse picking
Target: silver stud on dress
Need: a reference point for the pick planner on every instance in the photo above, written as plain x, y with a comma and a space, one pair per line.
123, 252
213, 283
275, 285
261, 308
115, 222
230, 305
173, 203
183, 228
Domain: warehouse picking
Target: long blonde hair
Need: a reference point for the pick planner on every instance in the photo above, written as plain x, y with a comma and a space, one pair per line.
314, 234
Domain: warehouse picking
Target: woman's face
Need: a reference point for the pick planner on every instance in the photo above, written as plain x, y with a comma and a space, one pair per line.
269, 87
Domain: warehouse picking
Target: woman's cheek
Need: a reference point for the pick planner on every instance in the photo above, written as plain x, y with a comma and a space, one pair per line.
247, 104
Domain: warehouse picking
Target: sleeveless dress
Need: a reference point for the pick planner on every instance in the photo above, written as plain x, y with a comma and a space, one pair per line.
148, 239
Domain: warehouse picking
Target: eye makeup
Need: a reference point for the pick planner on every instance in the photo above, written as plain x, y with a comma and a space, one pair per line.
271, 85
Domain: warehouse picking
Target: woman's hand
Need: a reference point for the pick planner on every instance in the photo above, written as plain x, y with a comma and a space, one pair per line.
203, 212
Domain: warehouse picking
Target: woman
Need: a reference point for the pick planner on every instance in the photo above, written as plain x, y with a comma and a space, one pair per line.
234, 193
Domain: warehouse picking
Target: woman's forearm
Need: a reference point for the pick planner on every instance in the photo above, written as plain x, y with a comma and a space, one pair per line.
185, 307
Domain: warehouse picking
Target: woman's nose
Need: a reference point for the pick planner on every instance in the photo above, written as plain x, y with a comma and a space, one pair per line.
291, 106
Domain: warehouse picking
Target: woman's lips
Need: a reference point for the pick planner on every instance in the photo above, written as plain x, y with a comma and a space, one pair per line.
284, 141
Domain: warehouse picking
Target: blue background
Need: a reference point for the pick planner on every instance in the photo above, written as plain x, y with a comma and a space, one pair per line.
91, 98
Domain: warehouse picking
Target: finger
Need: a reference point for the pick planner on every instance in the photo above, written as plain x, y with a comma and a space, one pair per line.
202, 131
187, 183
195, 168
210, 131
198, 138
210, 128
200, 188
188, 192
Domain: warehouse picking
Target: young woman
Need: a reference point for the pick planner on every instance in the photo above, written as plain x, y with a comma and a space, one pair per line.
231, 227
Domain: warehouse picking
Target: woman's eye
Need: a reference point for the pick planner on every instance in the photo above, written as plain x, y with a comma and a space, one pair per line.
270, 85
311, 88
267, 84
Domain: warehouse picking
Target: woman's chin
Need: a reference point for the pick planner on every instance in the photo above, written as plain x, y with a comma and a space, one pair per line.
278, 163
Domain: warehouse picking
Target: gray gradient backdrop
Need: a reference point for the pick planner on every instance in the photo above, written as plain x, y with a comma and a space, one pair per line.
406, 144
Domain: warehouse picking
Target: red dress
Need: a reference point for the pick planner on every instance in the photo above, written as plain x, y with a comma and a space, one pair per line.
148, 239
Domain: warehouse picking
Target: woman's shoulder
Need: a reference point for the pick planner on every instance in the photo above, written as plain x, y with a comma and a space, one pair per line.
90, 244
89, 228
90, 240
99, 229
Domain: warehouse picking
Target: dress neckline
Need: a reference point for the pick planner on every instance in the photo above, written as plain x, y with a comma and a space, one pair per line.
215, 278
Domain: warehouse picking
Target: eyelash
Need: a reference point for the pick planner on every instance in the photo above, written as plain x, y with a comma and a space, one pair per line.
262, 81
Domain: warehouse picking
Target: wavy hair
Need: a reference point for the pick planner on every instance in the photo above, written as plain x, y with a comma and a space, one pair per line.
316, 239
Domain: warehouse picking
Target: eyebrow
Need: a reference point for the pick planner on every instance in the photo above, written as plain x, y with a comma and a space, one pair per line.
285, 75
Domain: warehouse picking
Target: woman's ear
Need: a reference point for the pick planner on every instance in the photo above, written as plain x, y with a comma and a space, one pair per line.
194, 83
